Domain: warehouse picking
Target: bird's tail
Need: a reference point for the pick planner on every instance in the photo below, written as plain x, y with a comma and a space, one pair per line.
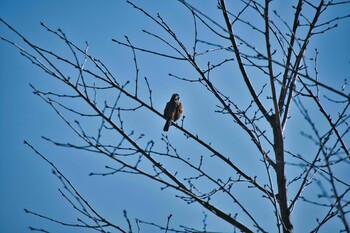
167, 125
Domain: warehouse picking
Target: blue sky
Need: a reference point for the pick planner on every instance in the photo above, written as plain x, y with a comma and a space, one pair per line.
26, 180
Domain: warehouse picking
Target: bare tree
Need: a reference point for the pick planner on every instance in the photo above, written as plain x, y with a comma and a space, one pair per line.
281, 80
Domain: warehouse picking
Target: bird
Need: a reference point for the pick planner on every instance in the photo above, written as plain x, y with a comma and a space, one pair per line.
173, 110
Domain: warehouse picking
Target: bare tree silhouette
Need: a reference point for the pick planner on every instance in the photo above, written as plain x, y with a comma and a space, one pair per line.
281, 78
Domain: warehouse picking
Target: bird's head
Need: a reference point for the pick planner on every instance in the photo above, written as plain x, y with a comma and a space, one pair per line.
175, 97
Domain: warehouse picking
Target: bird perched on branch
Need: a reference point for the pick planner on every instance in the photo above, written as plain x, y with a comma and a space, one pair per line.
173, 110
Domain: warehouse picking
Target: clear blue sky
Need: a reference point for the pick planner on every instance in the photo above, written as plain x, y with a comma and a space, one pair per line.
26, 180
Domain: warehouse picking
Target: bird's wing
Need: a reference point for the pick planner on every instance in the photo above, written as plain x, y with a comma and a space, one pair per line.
166, 110
169, 111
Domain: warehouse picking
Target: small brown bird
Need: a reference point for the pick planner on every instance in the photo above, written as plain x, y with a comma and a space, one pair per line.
173, 110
